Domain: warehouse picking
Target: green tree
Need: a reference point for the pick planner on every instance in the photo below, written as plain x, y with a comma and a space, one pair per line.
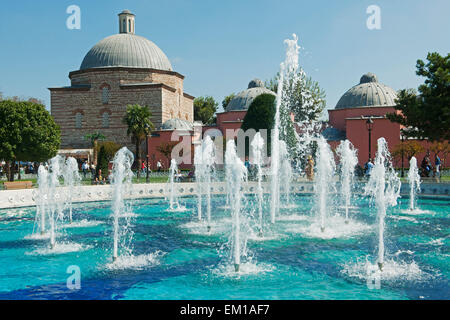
204, 109
94, 138
28, 133
227, 100
302, 96
106, 151
165, 148
137, 118
260, 115
426, 115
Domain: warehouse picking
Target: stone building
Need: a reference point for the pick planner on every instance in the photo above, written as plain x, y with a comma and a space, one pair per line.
369, 99
119, 70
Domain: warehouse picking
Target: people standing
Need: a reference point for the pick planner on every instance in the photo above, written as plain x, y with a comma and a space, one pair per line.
84, 168
437, 164
93, 172
159, 165
368, 167
310, 168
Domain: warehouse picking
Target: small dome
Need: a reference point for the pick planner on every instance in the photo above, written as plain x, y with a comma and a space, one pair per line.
368, 93
177, 124
255, 83
244, 99
126, 50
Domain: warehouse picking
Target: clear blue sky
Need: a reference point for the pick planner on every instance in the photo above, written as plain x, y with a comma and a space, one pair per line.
221, 45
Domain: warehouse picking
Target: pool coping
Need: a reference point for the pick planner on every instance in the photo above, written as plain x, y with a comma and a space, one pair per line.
26, 197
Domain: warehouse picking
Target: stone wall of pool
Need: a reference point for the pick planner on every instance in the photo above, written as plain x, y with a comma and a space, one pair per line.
26, 197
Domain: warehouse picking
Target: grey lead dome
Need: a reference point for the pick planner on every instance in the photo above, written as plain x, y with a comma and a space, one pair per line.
126, 50
368, 93
244, 99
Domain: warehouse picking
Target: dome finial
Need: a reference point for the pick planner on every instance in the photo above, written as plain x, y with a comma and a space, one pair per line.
368, 77
126, 22
255, 83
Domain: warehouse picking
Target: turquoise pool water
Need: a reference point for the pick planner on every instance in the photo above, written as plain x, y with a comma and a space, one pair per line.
173, 257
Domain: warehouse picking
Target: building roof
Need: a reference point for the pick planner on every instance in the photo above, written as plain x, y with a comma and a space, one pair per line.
177, 124
244, 99
126, 50
368, 93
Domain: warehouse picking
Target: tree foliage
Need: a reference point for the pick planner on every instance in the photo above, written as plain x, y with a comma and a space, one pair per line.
106, 151
303, 96
28, 132
227, 100
261, 115
408, 149
204, 109
165, 148
139, 125
427, 114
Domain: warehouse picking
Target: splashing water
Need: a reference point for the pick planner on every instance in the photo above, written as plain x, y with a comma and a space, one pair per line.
235, 176
257, 147
120, 177
384, 187
287, 69
324, 182
414, 183
285, 175
174, 204
349, 160
204, 159
54, 197
72, 180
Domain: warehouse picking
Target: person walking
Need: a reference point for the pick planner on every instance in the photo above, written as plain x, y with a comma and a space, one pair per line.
159, 165
310, 168
437, 165
368, 167
84, 168
93, 171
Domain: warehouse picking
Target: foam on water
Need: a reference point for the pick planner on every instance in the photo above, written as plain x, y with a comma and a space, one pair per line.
416, 211
393, 271
201, 227
60, 248
336, 228
82, 224
245, 269
135, 262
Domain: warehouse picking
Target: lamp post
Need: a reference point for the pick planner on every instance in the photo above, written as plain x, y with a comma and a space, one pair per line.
369, 124
147, 130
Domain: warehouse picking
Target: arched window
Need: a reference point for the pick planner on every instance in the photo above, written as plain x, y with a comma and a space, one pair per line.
105, 120
78, 120
105, 95
129, 26
124, 25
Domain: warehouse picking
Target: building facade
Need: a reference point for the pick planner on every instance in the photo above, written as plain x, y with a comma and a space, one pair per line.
120, 70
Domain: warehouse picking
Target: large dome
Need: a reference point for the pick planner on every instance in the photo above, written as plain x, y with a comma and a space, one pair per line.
368, 93
126, 50
243, 100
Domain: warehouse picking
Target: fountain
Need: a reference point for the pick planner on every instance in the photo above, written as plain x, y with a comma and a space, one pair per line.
71, 181
285, 175
204, 165
414, 183
174, 205
54, 198
236, 175
324, 182
121, 183
257, 147
42, 198
288, 69
349, 160
384, 187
